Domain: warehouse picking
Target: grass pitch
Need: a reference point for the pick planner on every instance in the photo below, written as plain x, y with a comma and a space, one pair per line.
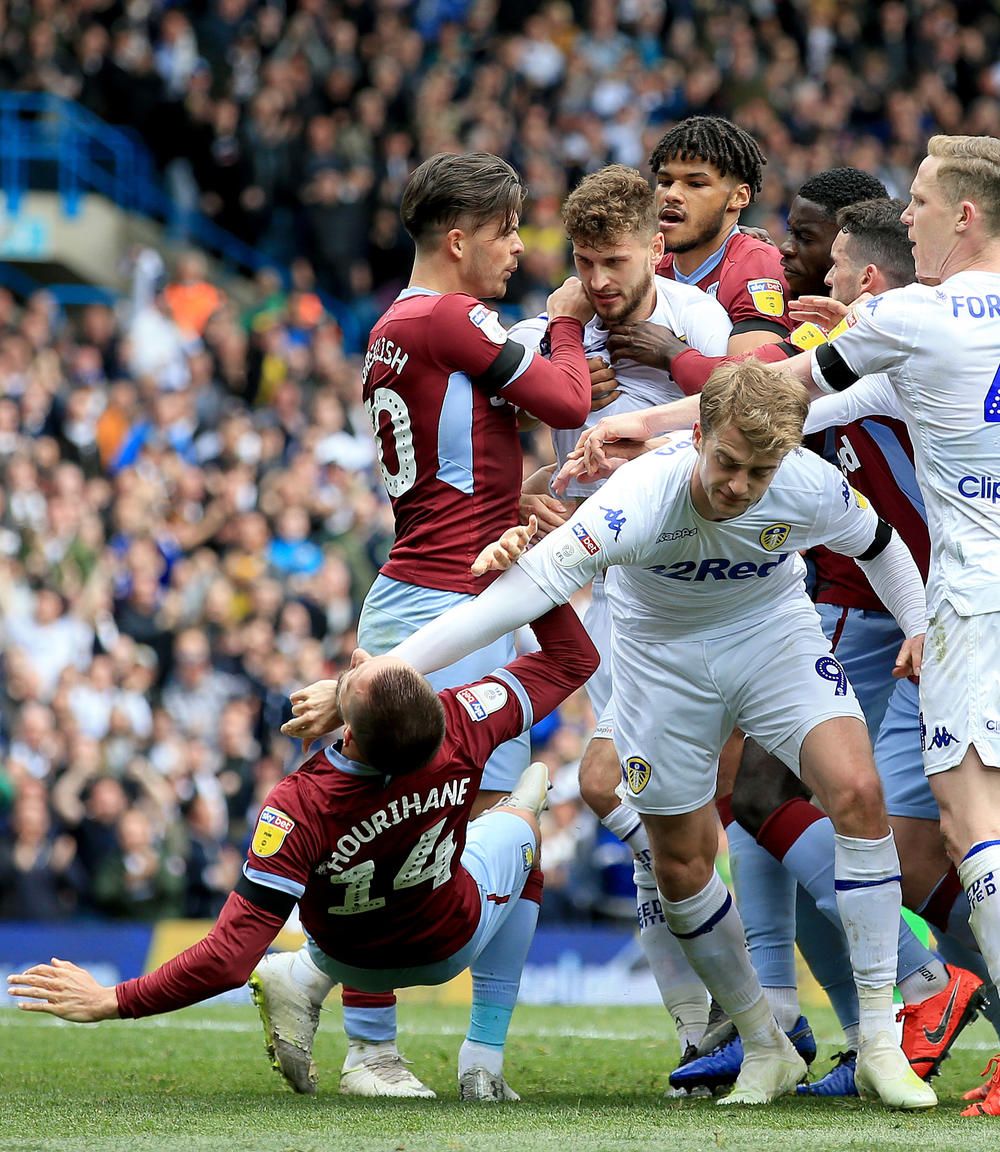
591, 1078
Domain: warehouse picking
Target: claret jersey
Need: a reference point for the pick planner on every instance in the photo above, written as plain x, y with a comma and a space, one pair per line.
682, 576
745, 276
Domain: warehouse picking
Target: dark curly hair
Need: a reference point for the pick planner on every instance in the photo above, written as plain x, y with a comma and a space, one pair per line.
837, 187
719, 142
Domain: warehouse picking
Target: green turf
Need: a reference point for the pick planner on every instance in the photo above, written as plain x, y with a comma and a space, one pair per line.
199, 1080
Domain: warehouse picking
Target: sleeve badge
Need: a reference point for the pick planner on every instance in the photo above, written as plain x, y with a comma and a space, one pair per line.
272, 828
767, 296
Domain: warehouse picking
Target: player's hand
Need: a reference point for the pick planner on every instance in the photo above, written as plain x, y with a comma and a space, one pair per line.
548, 511
62, 989
569, 299
314, 713
758, 234
576, 468
499, 556
823, 311
649, 344
631, 426
910, 658
603, 383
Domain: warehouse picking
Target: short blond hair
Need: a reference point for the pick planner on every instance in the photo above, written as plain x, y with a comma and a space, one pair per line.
609, 204
768, 407
970, 170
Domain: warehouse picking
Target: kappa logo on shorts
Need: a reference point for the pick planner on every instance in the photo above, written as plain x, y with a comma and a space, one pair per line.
774, 535
768, 296
272, 828
833, 671
636, 773
942, 738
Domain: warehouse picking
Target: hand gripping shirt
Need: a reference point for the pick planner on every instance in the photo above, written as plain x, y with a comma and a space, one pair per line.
940, 348
681, 575
687, 311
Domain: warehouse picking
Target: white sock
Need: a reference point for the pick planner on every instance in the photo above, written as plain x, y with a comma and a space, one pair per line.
784, 1003
472, 1055
758, 1028
623, 822
869, 901
980, 876
851, 1038
682, 992
312, 980
928, 980
711, 934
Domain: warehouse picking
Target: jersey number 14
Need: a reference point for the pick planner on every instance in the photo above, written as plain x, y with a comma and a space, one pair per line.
430, 859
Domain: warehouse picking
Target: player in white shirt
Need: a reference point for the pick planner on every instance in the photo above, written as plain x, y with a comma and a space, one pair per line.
939, 344
611, 219
713, 629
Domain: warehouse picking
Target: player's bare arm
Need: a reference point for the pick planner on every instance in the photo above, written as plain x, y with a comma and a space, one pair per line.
62, 989
500, 555
549, 512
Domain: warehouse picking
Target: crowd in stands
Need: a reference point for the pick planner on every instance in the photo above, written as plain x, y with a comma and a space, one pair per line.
190, 511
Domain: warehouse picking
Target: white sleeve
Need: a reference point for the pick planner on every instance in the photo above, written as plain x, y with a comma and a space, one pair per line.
707, 326
529, 333
878, 340
511, 600
845, 521
897, 583
873, 395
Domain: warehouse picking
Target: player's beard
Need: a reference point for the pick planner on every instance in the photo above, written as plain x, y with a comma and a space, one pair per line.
622, 309
711, 229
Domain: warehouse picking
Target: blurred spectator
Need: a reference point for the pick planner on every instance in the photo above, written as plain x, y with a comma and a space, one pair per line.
38, 876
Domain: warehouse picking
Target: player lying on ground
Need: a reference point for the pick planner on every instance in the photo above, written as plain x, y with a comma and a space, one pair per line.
371, 838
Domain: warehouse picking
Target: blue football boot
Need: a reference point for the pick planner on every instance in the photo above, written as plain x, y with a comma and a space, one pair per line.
720, 1067
839, 1081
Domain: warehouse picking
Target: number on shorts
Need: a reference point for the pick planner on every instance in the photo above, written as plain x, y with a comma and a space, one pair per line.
430, 859
384, 400
991, 405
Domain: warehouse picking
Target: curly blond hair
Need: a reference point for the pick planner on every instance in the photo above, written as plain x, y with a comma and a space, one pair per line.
609, 205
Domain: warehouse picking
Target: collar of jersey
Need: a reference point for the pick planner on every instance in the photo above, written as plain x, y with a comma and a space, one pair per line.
348, 767
708, 265
407, 293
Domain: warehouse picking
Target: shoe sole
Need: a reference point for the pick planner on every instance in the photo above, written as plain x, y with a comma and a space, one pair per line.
259, 998
975, 1005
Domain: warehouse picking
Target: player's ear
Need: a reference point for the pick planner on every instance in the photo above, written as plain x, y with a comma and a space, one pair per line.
454, 243
656, 247
740, 197
868, 278
696, 435
359, 656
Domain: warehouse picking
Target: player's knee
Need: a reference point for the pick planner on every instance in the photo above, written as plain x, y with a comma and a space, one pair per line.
679, 879
599, 776
763, 784
856, 804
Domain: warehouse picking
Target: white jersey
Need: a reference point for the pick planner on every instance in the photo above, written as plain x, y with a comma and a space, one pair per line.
940, 347
683, 576
873, 395
686, 310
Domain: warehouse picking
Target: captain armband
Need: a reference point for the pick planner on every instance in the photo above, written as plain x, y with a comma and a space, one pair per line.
883, 534
830, 371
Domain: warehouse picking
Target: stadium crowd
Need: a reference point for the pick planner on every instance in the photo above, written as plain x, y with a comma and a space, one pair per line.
190, 512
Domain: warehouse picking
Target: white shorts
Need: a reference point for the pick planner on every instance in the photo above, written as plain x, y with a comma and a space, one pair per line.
393, 611
960, 689
597, 622
677, 702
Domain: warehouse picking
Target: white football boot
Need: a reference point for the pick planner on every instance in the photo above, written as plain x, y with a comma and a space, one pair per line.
290, 1020
381, 1071
766, 1074
531, 790
884, 1073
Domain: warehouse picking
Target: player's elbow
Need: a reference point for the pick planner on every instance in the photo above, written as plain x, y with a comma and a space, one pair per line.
588, 661
571, 411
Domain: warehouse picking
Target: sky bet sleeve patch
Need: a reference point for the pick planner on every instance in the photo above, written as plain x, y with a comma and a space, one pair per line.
272, 828
767, 296
488, 322
482, 699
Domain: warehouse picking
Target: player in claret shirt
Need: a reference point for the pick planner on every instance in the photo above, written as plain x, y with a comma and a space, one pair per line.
371, 838
442, 385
